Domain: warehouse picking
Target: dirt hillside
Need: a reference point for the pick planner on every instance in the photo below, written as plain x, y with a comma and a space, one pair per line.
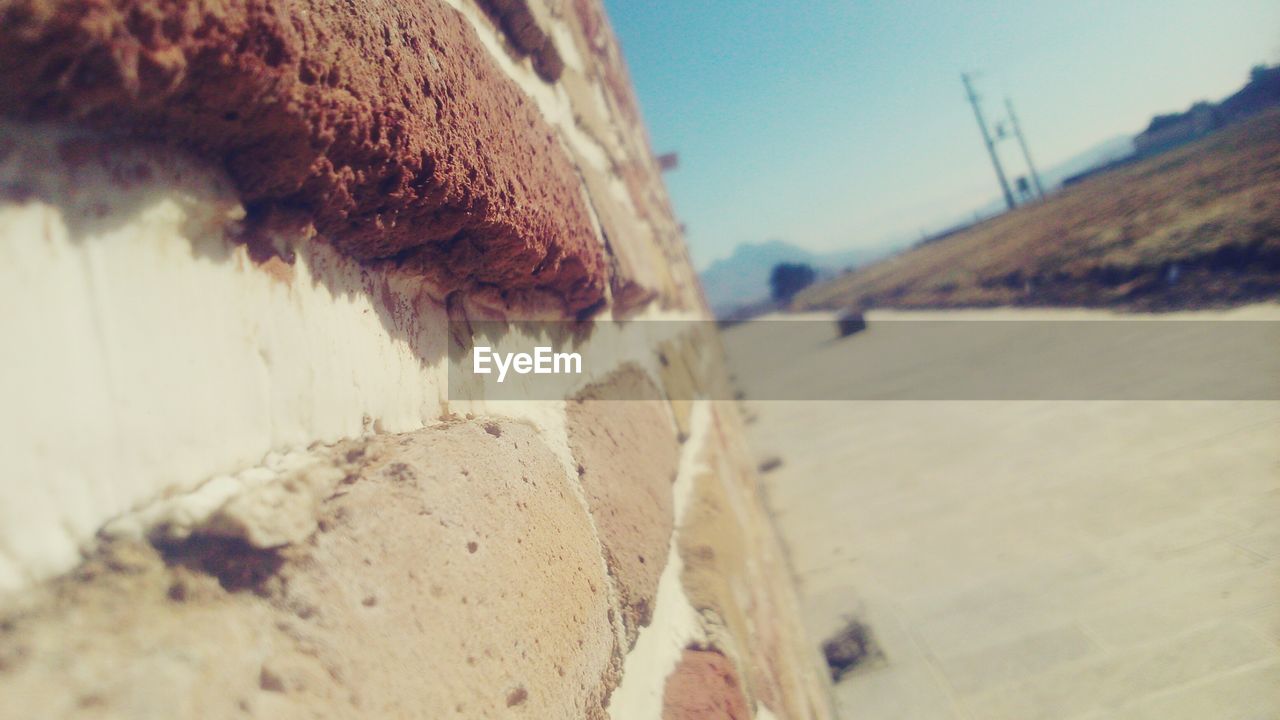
1197, 226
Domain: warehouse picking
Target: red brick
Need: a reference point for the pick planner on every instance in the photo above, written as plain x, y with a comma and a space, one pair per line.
388, 122
704, 686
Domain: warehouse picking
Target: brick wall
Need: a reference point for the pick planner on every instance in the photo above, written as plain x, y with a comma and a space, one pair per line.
233, 237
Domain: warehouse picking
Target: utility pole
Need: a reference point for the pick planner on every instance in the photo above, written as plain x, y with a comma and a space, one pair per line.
1022, 142
986, 139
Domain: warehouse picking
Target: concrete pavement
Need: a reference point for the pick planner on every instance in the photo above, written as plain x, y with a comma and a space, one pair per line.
1048, 559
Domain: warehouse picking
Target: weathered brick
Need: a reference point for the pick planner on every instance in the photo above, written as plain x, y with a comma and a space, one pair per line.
454, 574
389, 123
704, 686
735, 575
627, 455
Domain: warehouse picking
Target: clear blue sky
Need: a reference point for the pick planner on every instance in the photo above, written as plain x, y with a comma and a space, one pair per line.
836, 125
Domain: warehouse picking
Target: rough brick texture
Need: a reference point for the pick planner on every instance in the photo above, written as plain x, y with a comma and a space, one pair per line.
388, 122
704, 686
458, 551
240, 237
627, 457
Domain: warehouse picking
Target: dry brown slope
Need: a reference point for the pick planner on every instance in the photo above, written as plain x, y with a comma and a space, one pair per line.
1212, 208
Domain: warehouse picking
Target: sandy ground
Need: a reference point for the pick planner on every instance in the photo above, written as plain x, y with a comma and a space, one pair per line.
1031, 559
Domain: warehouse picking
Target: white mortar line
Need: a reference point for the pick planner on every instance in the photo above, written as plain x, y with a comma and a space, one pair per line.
552, 101
676, 624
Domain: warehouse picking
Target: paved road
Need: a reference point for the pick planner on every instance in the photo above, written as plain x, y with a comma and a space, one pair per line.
1033, 559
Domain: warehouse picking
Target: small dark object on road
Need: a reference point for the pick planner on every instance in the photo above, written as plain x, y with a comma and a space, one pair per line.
850, 322
850, 649
770, 464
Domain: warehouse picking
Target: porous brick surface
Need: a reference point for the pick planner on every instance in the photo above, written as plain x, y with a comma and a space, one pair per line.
388, 122
395, 163
453, 574
704, 686
627, 458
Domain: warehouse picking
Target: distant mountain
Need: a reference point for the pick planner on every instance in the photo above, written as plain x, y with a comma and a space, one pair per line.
1107, 151
743, 277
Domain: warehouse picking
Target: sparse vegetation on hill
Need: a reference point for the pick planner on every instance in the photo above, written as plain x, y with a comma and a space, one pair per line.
1197, 226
